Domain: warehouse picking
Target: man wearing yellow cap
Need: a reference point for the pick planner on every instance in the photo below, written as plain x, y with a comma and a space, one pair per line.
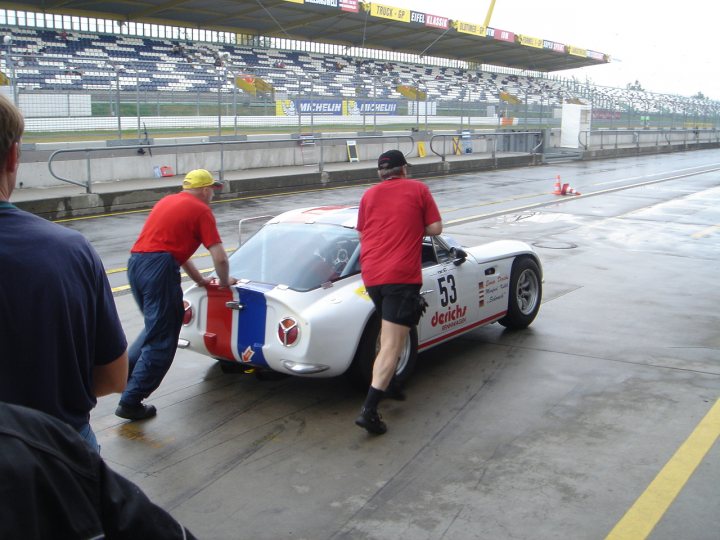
175, 228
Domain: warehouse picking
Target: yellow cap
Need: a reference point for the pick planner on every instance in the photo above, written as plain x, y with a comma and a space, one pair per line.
200, 178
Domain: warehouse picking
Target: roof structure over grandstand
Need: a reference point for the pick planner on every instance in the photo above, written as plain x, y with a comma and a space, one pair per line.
346, 22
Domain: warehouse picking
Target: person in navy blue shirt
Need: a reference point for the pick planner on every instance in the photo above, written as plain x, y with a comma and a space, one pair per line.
61, 342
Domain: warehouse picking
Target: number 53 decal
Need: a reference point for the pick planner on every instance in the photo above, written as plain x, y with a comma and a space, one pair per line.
448, 293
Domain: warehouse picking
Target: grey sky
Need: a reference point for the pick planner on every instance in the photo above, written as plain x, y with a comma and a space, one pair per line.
666, 46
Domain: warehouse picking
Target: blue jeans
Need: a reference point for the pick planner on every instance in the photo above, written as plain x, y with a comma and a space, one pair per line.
88, 434
155, 282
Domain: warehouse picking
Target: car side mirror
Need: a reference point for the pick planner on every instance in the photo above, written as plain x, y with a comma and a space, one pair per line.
459, 255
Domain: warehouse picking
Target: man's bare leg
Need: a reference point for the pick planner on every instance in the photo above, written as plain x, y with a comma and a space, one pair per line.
392, 341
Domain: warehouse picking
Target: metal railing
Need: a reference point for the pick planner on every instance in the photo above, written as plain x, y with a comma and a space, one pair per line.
526, 142
643, 138
222, 147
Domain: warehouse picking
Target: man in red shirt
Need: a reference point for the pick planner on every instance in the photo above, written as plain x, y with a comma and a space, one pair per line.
175, 228
394, 216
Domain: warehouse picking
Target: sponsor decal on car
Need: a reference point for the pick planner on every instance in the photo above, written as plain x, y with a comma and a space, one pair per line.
449, 319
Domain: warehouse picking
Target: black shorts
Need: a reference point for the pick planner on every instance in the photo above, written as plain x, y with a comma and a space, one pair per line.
397, 303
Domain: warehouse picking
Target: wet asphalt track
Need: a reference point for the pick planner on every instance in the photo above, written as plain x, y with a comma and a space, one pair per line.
552, 432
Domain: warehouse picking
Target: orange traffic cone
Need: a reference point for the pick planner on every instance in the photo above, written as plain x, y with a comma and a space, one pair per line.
567, 190
558, 189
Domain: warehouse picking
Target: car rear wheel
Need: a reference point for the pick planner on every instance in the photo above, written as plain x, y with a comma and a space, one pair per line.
525, 294
360, 371
228, 366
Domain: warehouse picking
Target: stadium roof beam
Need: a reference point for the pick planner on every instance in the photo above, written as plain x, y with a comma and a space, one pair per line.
328, 24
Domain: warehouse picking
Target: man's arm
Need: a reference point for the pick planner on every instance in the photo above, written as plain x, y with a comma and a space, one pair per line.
434, 228
111, 378
222, 266
192, 271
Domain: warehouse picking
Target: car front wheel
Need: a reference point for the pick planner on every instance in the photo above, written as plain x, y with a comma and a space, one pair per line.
360, 371
525, 294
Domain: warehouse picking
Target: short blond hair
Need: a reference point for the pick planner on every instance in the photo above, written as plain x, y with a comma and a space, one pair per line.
12, 126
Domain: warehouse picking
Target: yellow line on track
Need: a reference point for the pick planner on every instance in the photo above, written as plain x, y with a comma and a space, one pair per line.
706, 232
122, 288
642, 517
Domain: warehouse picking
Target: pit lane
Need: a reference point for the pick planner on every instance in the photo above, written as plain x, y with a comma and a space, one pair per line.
553, 432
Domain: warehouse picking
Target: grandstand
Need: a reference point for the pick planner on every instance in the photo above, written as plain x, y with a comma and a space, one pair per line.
109, 74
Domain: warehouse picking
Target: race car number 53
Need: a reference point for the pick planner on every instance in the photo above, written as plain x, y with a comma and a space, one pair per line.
448, 293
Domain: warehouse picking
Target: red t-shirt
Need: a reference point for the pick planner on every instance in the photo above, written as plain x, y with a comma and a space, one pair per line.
392, 219
178, 224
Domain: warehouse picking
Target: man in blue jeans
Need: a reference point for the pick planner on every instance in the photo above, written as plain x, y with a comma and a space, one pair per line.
175, 228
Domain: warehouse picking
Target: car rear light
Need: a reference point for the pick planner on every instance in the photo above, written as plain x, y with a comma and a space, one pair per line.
188, 314
288, 331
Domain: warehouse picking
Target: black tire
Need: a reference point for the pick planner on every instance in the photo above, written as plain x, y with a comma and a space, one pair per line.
227, 366
525, 294
360, 372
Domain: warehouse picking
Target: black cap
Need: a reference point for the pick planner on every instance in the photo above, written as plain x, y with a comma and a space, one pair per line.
391, 159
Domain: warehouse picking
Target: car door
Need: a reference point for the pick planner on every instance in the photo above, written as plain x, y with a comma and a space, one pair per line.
451, 292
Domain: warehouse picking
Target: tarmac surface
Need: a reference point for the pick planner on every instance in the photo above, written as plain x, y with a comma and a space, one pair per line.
599, 421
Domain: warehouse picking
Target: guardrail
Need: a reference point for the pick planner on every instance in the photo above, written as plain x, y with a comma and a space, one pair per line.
643, 138
223, 146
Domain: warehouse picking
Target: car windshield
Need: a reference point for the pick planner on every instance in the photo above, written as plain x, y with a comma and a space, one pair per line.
302, 256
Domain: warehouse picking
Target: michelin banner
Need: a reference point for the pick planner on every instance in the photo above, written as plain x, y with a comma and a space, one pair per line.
369, 107
335, 107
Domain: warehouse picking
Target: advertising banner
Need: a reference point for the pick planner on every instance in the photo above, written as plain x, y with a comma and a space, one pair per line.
349, 5
553, 46
389, 12
293, 107
503, 35
469, 28
328, 3
577, 51
530, 41
431, 21
335, 107
351, 107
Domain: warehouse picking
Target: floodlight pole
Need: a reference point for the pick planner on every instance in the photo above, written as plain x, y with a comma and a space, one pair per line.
11, 66
137, 98
374, 101
219, 102
234, 87
117, 101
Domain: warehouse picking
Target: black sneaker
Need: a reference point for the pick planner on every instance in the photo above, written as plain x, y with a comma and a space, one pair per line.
370, 420
135, 412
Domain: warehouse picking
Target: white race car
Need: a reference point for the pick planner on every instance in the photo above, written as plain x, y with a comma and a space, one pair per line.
300, 307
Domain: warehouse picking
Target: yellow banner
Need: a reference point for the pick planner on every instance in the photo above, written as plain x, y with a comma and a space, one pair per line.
285, 107
389, 12
509, 98
577, 51
296, 1
253, 85
469, 28
530, 41
411, 92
